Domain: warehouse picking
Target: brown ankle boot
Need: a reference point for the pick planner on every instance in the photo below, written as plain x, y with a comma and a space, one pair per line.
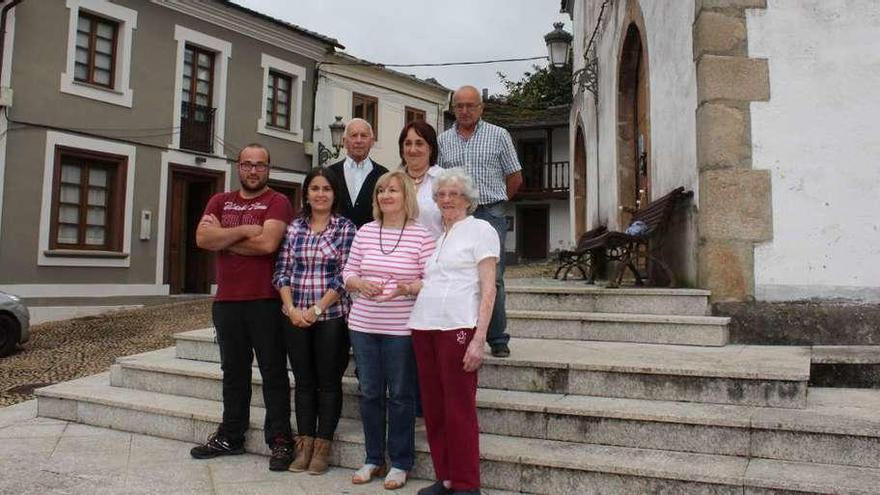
304, 448
320, 457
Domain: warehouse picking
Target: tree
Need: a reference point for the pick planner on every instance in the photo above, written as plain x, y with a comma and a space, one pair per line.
542, 88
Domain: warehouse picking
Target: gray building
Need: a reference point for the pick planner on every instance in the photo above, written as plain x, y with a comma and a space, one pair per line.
120, 119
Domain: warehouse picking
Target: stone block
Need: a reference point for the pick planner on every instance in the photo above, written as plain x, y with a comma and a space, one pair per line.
540, 479
820, 448
513, 423
146, 423
736, 204
53, 407
733, 4
723, 137
732, 78
680, 437
727, 269
524, 378
719, 34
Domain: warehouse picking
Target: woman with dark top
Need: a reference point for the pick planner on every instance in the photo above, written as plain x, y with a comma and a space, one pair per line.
308, 276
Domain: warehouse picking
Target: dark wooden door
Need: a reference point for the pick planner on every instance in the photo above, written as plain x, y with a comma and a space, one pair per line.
534, 231
190, 269
292, 191
533, 154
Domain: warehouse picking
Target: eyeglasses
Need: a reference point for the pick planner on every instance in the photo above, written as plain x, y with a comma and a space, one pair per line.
459, 107
448, 194
248, 166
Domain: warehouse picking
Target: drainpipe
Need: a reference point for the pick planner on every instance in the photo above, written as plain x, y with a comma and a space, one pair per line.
5, 12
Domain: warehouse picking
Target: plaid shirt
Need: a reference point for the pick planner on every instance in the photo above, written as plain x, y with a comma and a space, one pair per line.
311, 264
488, 156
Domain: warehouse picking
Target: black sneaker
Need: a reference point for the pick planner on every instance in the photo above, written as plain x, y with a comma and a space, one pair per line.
436, 489
216, 446
500, 350
282, 455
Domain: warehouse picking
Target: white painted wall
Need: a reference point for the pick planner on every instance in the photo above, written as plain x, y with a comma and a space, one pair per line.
673, 101
818, 137
334, 98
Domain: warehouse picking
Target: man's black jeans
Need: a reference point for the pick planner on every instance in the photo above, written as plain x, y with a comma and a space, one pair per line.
245, 328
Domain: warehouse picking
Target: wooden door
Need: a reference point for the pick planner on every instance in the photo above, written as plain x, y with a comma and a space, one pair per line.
189, 268
534, 231
580, 184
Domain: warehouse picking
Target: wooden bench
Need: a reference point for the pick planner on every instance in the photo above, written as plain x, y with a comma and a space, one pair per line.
579, 258
632, 251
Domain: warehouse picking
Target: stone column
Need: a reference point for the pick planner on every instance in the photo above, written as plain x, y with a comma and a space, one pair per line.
735, 201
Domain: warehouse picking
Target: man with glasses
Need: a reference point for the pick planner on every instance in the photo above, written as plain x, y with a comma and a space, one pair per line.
486, 152
358, 173
244, 227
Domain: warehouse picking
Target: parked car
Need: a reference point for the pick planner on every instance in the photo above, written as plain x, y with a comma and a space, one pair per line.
15, 323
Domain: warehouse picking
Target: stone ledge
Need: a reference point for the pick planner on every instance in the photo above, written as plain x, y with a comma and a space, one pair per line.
732, 78
731, 4
726, 267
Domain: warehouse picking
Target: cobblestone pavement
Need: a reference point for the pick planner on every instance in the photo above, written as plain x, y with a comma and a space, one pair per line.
64, 350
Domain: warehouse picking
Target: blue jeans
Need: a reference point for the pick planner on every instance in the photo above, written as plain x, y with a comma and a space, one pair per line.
494, 214
386, 363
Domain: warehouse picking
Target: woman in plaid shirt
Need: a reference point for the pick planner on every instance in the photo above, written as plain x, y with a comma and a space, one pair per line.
308, 275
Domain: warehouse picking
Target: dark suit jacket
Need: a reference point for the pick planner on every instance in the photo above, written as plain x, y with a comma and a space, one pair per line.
361, 211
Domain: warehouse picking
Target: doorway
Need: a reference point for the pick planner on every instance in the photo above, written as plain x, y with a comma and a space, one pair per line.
580, 184
533, 229
190, 269
633, 134
291, 190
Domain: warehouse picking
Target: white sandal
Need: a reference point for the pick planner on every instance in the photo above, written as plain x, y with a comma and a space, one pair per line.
366, 473
396, 478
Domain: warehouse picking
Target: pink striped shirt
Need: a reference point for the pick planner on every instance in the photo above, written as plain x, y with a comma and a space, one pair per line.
404, 262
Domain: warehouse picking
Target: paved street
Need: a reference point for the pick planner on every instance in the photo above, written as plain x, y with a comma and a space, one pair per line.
47, 456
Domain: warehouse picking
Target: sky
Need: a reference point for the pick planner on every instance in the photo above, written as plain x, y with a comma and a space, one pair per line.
419, 31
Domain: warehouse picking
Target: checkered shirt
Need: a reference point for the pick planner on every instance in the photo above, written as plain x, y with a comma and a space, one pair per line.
311, 264
488, 156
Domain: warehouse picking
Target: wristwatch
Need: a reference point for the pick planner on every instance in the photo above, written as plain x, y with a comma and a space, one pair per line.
317, 309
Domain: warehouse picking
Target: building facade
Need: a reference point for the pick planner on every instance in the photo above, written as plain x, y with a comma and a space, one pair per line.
763, 109
127, 115
350, 87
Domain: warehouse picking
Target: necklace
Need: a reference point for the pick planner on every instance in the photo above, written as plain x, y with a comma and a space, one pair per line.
418, 180
381, 245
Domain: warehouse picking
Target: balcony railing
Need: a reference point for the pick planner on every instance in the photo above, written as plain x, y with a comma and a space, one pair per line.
544, 181
197, 127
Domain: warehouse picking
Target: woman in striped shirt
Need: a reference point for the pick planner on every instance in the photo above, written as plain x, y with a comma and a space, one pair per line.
308, 275
387, 260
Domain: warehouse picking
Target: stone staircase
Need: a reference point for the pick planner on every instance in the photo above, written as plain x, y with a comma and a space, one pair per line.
607, 391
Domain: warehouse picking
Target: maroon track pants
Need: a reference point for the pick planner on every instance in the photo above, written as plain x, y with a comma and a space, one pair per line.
449, 402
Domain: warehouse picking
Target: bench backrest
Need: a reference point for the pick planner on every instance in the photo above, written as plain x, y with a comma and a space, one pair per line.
657, 214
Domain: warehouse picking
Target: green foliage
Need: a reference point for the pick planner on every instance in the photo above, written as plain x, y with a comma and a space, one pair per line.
541, 88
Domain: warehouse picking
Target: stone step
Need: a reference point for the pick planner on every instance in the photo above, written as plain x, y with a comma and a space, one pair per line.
618, 327
850, 366
554, 295
769, 376
838, 426
509, 463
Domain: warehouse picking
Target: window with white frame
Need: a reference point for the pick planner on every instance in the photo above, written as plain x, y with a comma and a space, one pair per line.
99, 51
281, 113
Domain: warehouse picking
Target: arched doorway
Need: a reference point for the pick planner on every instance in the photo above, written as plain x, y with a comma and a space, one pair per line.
633, 127
580, 184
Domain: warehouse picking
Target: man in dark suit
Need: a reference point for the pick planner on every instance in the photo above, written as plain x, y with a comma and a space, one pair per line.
358, 172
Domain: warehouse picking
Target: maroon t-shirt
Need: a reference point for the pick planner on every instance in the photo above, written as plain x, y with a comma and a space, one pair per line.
245, 278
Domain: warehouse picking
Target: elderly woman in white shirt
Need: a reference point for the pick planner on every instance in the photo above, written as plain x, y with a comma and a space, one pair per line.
449, 324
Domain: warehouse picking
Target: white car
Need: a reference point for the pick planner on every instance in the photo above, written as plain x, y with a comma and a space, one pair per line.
15, 327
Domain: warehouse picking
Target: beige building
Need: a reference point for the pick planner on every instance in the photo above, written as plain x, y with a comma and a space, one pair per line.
121, 118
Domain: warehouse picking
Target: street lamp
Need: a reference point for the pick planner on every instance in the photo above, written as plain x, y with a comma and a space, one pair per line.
337, 130
558, 46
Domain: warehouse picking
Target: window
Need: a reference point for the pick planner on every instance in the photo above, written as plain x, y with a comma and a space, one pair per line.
99, 46
197, 111
278, 104
95, 50
413, 114
367, 108
281, 110
86, 200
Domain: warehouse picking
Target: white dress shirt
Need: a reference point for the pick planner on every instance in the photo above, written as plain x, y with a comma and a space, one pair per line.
355, 175
429, 213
